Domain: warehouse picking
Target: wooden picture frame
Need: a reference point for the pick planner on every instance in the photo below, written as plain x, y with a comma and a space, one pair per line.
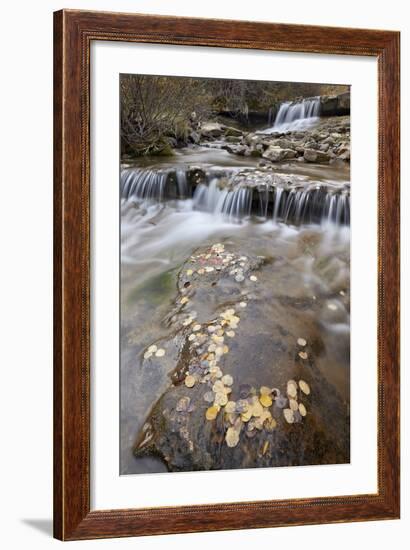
74, 32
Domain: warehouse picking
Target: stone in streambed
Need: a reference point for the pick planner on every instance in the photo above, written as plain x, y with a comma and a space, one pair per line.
233, 139
194, 137
237, 149
232, 132
316, 156
283, 143
262, 352
211, 129
276, 154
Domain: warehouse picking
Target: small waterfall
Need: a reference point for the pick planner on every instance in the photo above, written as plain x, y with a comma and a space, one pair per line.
143, 184
337, 209
237, 204
316, 205
296, 115
234, 204
308, 205
209, 198
182, 183
232, 196
263, 202
277, 203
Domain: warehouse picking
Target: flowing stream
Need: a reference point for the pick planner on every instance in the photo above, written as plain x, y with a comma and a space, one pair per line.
168, 210
296, 115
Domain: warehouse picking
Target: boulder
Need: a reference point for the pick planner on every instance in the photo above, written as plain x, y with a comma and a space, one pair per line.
328, 105
343, 103
298, 135
311, 145
335, 105
194, 137
344, 152
236, 149
276, 154
233, 139
312, 155
232, 132
195, 175
211, 129
252, 139
283, 143
345, 155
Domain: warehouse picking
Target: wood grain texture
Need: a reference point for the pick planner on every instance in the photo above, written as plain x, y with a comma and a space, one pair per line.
58, 280
73, 33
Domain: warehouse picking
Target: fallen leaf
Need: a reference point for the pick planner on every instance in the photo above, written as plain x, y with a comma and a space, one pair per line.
302, 409
288, 414
190, 381
304, 386
265, 400
212, 412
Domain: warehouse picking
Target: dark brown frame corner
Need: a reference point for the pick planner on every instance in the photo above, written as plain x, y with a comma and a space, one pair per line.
73, 33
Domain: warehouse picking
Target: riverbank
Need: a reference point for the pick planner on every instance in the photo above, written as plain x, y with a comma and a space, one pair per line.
298, 133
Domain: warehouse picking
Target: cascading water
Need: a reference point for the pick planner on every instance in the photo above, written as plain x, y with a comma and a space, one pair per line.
295, 216
233, 204
209, 198
182, 183
143, 184
235, 197
296, 115
277, 203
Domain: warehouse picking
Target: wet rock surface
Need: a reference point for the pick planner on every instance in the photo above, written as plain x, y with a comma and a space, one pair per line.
249, 386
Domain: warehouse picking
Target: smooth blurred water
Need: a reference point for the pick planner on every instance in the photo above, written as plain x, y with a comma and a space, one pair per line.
157, 238
297, 115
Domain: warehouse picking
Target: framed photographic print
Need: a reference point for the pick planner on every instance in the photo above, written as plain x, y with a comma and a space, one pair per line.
226, 287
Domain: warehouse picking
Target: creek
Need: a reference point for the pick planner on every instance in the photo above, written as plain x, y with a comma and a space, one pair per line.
296, 215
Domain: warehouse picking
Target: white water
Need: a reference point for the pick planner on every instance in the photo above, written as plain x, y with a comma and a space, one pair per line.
296, 115
159, 234
143, 184
234, 205
309, 203
158, 237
